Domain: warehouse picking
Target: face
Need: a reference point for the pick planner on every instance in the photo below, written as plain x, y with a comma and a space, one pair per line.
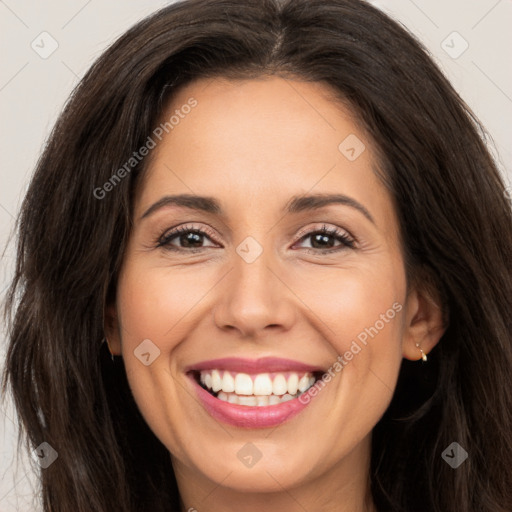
289, 271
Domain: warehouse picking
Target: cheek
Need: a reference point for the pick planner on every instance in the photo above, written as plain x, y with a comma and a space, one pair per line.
358, 304
153, 303
360, 312
157, 305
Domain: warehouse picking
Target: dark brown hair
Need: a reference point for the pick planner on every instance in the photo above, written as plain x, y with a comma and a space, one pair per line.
455, 221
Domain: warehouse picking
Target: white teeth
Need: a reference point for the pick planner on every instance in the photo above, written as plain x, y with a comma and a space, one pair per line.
279, 386
261, 400
304, 383
256, 390
228, 383
254, 400
273, 400
243, 384
262, 384
247, 400
216, 381
293, 383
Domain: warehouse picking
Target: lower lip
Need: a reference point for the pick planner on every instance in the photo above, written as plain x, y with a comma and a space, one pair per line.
246, 416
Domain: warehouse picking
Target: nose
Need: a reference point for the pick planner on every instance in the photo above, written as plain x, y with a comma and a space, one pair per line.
254, 300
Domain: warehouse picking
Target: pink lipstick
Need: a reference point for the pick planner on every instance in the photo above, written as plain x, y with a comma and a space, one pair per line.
252, 393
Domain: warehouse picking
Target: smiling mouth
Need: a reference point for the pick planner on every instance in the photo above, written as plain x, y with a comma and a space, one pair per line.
256, 390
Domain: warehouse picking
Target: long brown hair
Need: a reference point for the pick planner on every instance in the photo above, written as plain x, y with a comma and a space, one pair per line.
455, 220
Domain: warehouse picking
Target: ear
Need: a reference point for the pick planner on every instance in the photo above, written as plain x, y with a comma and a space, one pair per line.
112, 329
424, 322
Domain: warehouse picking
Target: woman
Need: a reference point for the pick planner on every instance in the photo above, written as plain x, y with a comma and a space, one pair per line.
368, 370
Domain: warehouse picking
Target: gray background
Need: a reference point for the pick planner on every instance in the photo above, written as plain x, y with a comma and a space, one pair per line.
33, 90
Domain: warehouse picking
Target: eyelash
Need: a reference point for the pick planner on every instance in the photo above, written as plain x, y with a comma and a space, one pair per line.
342, 236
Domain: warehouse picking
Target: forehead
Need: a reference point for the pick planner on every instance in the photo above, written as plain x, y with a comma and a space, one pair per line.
260, 142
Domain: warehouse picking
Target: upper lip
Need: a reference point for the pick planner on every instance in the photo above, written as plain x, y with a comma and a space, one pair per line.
262, 365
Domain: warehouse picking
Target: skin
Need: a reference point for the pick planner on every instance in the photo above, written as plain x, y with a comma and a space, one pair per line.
253, 145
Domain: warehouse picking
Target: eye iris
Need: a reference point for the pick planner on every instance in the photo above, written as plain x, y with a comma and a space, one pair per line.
322, 239
191, 238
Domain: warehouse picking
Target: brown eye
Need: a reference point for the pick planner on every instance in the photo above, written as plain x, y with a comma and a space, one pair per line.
325, 239
184, 238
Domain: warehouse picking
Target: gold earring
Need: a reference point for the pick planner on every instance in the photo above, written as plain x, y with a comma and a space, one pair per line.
423, 355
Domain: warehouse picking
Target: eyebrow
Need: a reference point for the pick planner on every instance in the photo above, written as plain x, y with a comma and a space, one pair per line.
296, 204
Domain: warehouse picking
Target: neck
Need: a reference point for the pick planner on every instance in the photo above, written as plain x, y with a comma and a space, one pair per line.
342, 487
